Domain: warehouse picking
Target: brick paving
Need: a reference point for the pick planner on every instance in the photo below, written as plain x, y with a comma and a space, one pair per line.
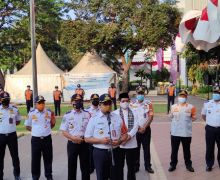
160, 153
161, 140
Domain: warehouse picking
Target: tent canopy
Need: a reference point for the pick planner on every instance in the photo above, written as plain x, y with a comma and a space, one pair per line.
91, 63
92, 73
44, 64
48, 76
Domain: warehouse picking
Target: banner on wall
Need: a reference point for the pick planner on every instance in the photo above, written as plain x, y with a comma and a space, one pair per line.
95, 83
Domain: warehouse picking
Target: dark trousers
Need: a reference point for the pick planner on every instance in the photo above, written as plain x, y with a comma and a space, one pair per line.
144, 140
73, 151
175, 143
114, 103
92, 167
103, 164
11, 141
212, 136
129, 155
170, 100
41, 146
57, 107
29, 104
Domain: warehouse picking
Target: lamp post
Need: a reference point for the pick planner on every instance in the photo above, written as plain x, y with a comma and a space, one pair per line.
33, 48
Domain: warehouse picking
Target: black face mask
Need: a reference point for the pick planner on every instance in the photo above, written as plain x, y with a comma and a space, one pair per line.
6, 102
78, 105
95, 103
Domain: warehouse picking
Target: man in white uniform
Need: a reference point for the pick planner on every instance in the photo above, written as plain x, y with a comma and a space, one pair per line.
40, 122
93, 109
9, 119
144, 109
106, 132
73, 127
211, 114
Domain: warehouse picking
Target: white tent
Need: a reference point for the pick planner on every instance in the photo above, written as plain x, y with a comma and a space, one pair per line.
93, 75
49, 75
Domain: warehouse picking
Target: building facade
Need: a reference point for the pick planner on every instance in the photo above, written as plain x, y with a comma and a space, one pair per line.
186, 5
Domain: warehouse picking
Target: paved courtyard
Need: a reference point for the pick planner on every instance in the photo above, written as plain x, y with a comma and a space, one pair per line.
160, 150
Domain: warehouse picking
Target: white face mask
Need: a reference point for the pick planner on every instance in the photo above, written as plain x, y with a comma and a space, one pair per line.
124, 105
181, 100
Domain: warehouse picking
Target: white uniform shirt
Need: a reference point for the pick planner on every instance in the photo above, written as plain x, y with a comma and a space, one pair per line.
143, 110
8, 119
93, 110
132, 143
182, 116
98, 127
211, 110
40, 122
75, 123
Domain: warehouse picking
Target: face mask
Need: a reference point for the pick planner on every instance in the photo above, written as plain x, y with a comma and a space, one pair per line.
106, 108
40, 106
216, 97
78, 105
181, 100
124, 105
140, 97
95, 103
5, 102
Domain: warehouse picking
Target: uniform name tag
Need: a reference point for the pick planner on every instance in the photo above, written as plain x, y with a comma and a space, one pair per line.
10, 120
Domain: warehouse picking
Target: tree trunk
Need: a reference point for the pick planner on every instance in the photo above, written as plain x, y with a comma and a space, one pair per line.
125, 82
125, 77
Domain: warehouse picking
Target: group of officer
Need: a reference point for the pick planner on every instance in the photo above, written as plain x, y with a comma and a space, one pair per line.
106, 138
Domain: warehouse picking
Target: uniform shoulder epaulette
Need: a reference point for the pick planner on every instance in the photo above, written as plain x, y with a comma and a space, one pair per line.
32, 110
48, 109
68, 112
85, 110
14, 106
148, 102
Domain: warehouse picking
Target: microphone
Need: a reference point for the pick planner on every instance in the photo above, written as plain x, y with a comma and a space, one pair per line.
110, 135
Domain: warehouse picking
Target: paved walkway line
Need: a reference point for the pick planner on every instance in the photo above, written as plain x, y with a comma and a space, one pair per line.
157, 166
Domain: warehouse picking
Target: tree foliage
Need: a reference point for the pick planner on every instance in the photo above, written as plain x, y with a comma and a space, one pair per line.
116, 26
15, 40
11, 11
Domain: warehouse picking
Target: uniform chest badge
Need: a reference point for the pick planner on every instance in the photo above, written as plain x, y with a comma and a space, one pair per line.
34, 117
101, 131
47, 115
11, 111
71, 126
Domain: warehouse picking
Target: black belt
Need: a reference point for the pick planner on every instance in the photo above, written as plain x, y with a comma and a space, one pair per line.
8, 134
41, 137
213, 126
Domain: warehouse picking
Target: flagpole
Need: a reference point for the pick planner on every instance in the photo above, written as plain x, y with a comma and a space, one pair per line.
33, 48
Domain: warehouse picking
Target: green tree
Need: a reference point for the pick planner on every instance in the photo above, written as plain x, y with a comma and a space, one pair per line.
11, 11
116, 26
143, 75
15, 40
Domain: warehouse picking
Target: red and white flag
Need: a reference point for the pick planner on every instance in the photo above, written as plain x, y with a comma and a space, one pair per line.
203, 29
213, 8
188, 25
180, 46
